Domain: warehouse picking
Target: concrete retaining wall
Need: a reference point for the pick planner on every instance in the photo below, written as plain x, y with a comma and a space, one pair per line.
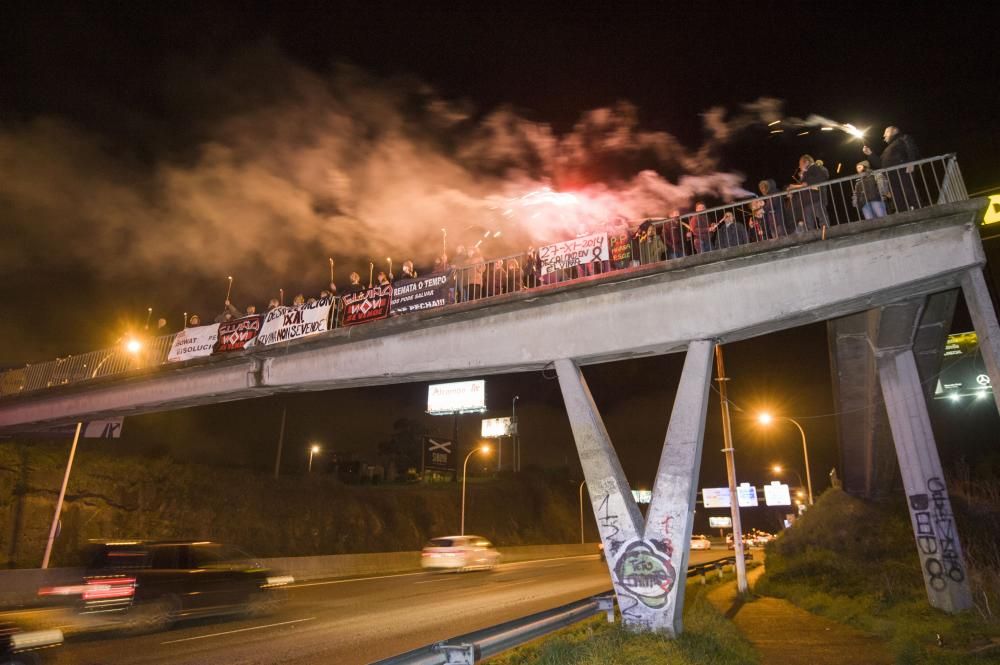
20, 587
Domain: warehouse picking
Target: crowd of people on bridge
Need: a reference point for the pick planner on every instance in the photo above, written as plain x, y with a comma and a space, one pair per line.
882, 185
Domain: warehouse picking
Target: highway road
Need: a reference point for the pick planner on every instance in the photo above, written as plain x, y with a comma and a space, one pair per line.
359, 620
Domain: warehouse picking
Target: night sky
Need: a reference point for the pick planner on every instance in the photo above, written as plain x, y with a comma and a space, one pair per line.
119, 119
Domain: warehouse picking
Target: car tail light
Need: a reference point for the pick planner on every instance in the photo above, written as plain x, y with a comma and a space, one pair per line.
123, 587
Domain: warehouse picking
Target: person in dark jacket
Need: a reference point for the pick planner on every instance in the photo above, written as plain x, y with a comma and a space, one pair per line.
355, 286
867, 197
899, 149
773, 209
808, 199
730, 233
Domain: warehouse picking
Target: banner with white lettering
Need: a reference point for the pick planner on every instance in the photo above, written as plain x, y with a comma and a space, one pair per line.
234, 335
283, 324
196, 342
571, 253
367, 305
413, 295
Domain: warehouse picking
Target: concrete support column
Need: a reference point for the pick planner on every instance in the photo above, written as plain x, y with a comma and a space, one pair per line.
984, 320
618, 518
647, 559
941, 558
670, 518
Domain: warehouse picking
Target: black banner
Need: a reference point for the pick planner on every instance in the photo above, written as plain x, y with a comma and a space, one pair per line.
439, 454
368, 305
413, 295
234, 335
621, 251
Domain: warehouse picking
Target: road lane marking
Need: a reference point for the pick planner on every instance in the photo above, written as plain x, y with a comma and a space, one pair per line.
239, 630
441, 579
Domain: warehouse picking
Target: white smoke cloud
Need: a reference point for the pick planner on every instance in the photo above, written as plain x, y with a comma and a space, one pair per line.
346, 166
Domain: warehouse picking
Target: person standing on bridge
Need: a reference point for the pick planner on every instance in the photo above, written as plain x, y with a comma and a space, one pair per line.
867, 197
730, 233
408, 271
808, 198
700, 230
673, 236
900, 149
355, 286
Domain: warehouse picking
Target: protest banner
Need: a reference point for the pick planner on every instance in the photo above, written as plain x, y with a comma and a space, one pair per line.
572, 253
413, 295
283, 324
196, 342
234, 335
367, 305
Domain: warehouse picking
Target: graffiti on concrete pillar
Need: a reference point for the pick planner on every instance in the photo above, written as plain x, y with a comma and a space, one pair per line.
609, 523
645, 574
934, 528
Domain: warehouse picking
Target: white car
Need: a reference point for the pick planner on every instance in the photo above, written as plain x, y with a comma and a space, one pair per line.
459, 553
700, 543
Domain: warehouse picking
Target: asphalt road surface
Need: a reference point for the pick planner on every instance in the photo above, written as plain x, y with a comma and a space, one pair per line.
360, 620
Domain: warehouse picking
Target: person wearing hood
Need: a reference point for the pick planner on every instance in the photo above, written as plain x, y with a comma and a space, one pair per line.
773, 209
867, 197
899, 149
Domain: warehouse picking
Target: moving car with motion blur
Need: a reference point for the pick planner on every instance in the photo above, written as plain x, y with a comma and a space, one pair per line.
141, 586
20, 647
700, 543
459, 553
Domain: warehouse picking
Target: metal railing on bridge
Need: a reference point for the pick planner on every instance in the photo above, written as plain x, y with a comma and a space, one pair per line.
866, 197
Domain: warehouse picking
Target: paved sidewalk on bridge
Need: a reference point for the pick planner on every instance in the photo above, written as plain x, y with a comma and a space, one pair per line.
784, 634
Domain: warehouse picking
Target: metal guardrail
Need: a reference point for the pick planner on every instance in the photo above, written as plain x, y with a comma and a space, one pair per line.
865, 197
473, 647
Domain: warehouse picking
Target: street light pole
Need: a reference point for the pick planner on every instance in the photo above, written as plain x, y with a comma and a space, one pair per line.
515, 440
734, 502
805, 453
62, 496
766, 418
581, 510
465, 466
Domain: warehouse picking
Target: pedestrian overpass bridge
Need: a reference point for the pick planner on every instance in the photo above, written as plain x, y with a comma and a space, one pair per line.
886, 288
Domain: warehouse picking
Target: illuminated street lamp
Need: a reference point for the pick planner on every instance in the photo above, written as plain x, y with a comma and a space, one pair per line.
133, 345
766, 419
484, 449
778, 469
312, 451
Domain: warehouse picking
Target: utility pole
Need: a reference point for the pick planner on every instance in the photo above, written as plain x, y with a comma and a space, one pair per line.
281, 441
734, 502
62, 496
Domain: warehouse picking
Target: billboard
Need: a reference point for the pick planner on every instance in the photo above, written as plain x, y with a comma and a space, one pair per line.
776, 494
718, 497
720, 522
642, 496
459, 397
495, 427
963, 373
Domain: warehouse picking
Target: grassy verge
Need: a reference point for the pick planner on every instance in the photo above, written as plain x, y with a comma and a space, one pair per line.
708, 638
856, 562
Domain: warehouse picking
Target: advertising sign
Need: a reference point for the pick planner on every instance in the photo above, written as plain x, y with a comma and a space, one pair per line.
495, 427
458, 397
642, 496
720, 522
963, 373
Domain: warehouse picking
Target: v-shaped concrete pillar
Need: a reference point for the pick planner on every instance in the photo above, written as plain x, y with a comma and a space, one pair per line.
648, 558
